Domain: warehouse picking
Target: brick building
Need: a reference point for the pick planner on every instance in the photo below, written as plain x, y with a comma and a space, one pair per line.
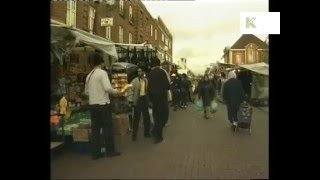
132, 22
248, 49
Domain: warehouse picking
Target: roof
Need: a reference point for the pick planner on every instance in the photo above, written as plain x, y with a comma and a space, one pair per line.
249, 38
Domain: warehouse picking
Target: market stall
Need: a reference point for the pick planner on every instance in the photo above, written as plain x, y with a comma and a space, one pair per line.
70, 48
122, 73
141, 55
259, 81
224, 67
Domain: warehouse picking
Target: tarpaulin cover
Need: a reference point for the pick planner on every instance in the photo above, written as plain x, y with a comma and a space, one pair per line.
63, 34
260, 68
122, 66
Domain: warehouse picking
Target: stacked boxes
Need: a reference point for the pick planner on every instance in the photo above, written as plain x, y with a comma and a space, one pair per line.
121, 124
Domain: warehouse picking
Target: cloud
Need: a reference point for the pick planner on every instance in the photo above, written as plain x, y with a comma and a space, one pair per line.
202, 28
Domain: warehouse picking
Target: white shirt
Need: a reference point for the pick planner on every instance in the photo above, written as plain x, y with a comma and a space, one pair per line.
98, 87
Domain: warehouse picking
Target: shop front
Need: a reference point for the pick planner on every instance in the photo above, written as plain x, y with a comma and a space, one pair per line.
70, 48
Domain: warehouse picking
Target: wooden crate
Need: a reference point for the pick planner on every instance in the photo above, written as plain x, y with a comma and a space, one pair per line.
81, 135
121, 124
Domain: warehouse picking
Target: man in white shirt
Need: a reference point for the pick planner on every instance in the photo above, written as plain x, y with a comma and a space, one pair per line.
98, 88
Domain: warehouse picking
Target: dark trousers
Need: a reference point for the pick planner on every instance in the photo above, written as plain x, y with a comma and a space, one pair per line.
101, 117
160, 110
189, 96
184, 97
176, 98
141, 107
232, 112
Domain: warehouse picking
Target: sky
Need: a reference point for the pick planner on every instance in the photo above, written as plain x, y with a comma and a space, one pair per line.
201, 29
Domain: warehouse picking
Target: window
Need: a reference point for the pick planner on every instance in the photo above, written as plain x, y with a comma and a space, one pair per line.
130, 38
162, 37
92, 13
108, 33
155, 34
251, 54
151, 29
141, 17
120, 34
166, 41
110, 2
121, 7
130, 14
238, 58
71, 13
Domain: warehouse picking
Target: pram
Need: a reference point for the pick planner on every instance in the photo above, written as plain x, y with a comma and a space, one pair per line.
244, 116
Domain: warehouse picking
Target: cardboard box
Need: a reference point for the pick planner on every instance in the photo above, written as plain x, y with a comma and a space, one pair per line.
121, 124
81, 135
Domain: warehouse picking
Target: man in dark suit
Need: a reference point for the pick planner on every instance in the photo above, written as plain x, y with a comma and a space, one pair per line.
159, 84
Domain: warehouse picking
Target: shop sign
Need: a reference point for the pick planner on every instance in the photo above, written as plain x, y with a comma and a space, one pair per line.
106, 22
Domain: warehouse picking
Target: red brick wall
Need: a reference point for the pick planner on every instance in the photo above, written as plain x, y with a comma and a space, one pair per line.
139, 28
59, 11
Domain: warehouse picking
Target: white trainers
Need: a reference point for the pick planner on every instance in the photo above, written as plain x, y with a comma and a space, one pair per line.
235, 123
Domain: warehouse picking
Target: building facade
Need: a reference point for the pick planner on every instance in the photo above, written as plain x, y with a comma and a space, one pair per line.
248, 49
131, 22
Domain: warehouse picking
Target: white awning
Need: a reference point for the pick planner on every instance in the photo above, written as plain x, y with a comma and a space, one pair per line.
60, 31
260, 68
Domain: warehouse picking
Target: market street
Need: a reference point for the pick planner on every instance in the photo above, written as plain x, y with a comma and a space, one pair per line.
194, 148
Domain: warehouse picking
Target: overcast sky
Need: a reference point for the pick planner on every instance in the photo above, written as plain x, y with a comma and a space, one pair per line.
202, 28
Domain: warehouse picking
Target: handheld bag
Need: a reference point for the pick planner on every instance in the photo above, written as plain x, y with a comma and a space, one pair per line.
213, 106
199, 105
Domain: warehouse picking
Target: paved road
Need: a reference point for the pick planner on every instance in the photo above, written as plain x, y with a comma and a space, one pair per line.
194, 148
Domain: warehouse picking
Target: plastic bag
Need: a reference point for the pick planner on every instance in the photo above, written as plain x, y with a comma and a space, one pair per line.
199, 105
151, 116
213, 106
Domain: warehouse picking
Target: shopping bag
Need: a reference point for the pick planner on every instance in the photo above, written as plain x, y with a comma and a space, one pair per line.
151, 116
169, 96
199, 105
213, 106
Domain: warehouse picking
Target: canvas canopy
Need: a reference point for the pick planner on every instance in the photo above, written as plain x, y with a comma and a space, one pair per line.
260, 80
122, 66
260, 68
65, 36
